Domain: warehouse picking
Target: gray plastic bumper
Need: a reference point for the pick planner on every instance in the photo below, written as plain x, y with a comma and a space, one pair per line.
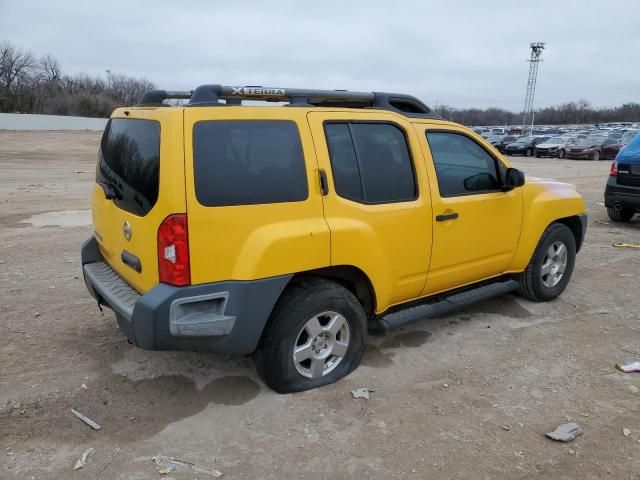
226, 317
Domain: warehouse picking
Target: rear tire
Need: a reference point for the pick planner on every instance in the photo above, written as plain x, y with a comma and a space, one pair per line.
302, 322
595, 156
554, 255
622, 215
529, 152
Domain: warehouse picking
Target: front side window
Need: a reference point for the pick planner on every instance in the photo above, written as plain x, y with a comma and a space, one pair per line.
462, 166
248, 162
370, 162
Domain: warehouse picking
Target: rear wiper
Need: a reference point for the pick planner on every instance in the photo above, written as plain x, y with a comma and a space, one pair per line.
110, 190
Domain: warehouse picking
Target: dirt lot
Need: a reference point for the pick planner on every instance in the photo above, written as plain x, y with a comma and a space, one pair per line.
468, 395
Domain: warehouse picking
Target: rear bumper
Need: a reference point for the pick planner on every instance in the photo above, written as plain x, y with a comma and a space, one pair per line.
225, 317
621, 195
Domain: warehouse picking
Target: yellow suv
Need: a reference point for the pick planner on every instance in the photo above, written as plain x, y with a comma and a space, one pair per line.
286, 231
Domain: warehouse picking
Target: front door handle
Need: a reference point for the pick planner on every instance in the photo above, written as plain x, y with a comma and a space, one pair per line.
447, 216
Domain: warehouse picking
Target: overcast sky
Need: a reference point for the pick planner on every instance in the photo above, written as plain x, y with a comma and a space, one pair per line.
461, 53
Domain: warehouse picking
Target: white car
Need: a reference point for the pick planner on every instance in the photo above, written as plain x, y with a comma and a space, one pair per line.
554, 147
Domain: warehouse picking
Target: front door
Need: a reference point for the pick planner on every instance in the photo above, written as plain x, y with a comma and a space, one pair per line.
377, 201
476, 224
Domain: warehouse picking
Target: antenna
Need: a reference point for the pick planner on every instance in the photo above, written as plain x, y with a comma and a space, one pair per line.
536, 51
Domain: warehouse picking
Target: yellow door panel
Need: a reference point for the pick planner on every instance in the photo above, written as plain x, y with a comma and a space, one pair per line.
259, 240
109, 220
475, 235
389, 242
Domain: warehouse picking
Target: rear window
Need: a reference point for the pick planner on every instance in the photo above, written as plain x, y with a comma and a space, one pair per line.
246, 162
130, 163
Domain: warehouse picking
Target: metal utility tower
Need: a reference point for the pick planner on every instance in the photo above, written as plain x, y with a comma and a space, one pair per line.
536, 51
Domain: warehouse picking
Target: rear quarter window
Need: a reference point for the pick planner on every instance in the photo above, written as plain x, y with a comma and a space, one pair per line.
130, 163
248, 162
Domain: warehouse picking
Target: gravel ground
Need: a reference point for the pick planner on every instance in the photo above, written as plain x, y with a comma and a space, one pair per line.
467, 395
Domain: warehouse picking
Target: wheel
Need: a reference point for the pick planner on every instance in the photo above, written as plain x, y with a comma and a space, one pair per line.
561, 153
315, 336
595, 156
537, 155
621, 215
529, 152
551, 266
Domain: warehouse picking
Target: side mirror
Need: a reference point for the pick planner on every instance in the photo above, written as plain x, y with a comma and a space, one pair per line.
514, 178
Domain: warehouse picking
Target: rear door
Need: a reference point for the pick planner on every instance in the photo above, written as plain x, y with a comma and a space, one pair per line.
141, 165
378, 201
476, 224
253, 196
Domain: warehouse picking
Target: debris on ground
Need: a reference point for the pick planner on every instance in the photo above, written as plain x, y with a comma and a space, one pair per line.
83, 386
627, 245
565, 432
634, 389
628, 367
86, 420
164, 464
169, 464
83, 460
626, 432
361, 393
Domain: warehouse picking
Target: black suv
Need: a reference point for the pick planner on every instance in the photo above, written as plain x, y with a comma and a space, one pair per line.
524, 146
622, 193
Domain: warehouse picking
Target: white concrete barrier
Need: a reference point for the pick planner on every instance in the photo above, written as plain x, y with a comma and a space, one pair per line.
27, 121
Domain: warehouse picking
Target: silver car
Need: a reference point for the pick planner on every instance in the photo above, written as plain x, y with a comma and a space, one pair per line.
554, 147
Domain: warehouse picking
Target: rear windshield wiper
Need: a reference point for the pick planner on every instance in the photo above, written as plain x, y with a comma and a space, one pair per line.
111, 191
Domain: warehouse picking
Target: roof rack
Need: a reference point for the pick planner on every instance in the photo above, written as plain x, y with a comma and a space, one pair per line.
211, 95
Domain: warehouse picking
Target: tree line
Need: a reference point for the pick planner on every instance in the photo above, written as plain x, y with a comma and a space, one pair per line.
29, 84
37, 85
565, 114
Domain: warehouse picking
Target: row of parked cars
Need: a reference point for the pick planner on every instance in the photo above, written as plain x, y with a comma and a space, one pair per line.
592, 145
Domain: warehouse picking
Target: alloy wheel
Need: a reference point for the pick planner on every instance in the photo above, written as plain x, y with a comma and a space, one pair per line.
321, 344
554, 264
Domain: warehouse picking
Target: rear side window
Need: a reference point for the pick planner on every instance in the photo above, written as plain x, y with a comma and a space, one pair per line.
130, 163
370, 162
462, 166
248, 162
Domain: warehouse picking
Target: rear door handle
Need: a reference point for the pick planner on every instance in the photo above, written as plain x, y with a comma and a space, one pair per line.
445, 217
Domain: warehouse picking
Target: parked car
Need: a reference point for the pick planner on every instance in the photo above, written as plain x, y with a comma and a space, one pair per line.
524, 145
593, 148
501, 141
622, 193
554, 147
287, 232
627, 137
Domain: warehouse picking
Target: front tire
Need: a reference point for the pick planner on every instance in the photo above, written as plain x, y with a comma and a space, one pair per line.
529, 152
551, 266
314, 337
595, 156
561, 153
622, 215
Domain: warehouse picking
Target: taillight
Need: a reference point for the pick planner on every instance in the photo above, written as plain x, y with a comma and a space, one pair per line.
173, 251
614, 170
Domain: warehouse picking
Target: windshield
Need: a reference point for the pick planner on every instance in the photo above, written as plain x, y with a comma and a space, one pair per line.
524, 140
557, 141
590, 141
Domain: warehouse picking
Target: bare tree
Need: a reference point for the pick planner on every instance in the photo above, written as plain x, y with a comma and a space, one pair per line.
49, 68
15, 65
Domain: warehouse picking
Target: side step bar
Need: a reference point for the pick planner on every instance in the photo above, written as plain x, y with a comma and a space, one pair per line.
447, 304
